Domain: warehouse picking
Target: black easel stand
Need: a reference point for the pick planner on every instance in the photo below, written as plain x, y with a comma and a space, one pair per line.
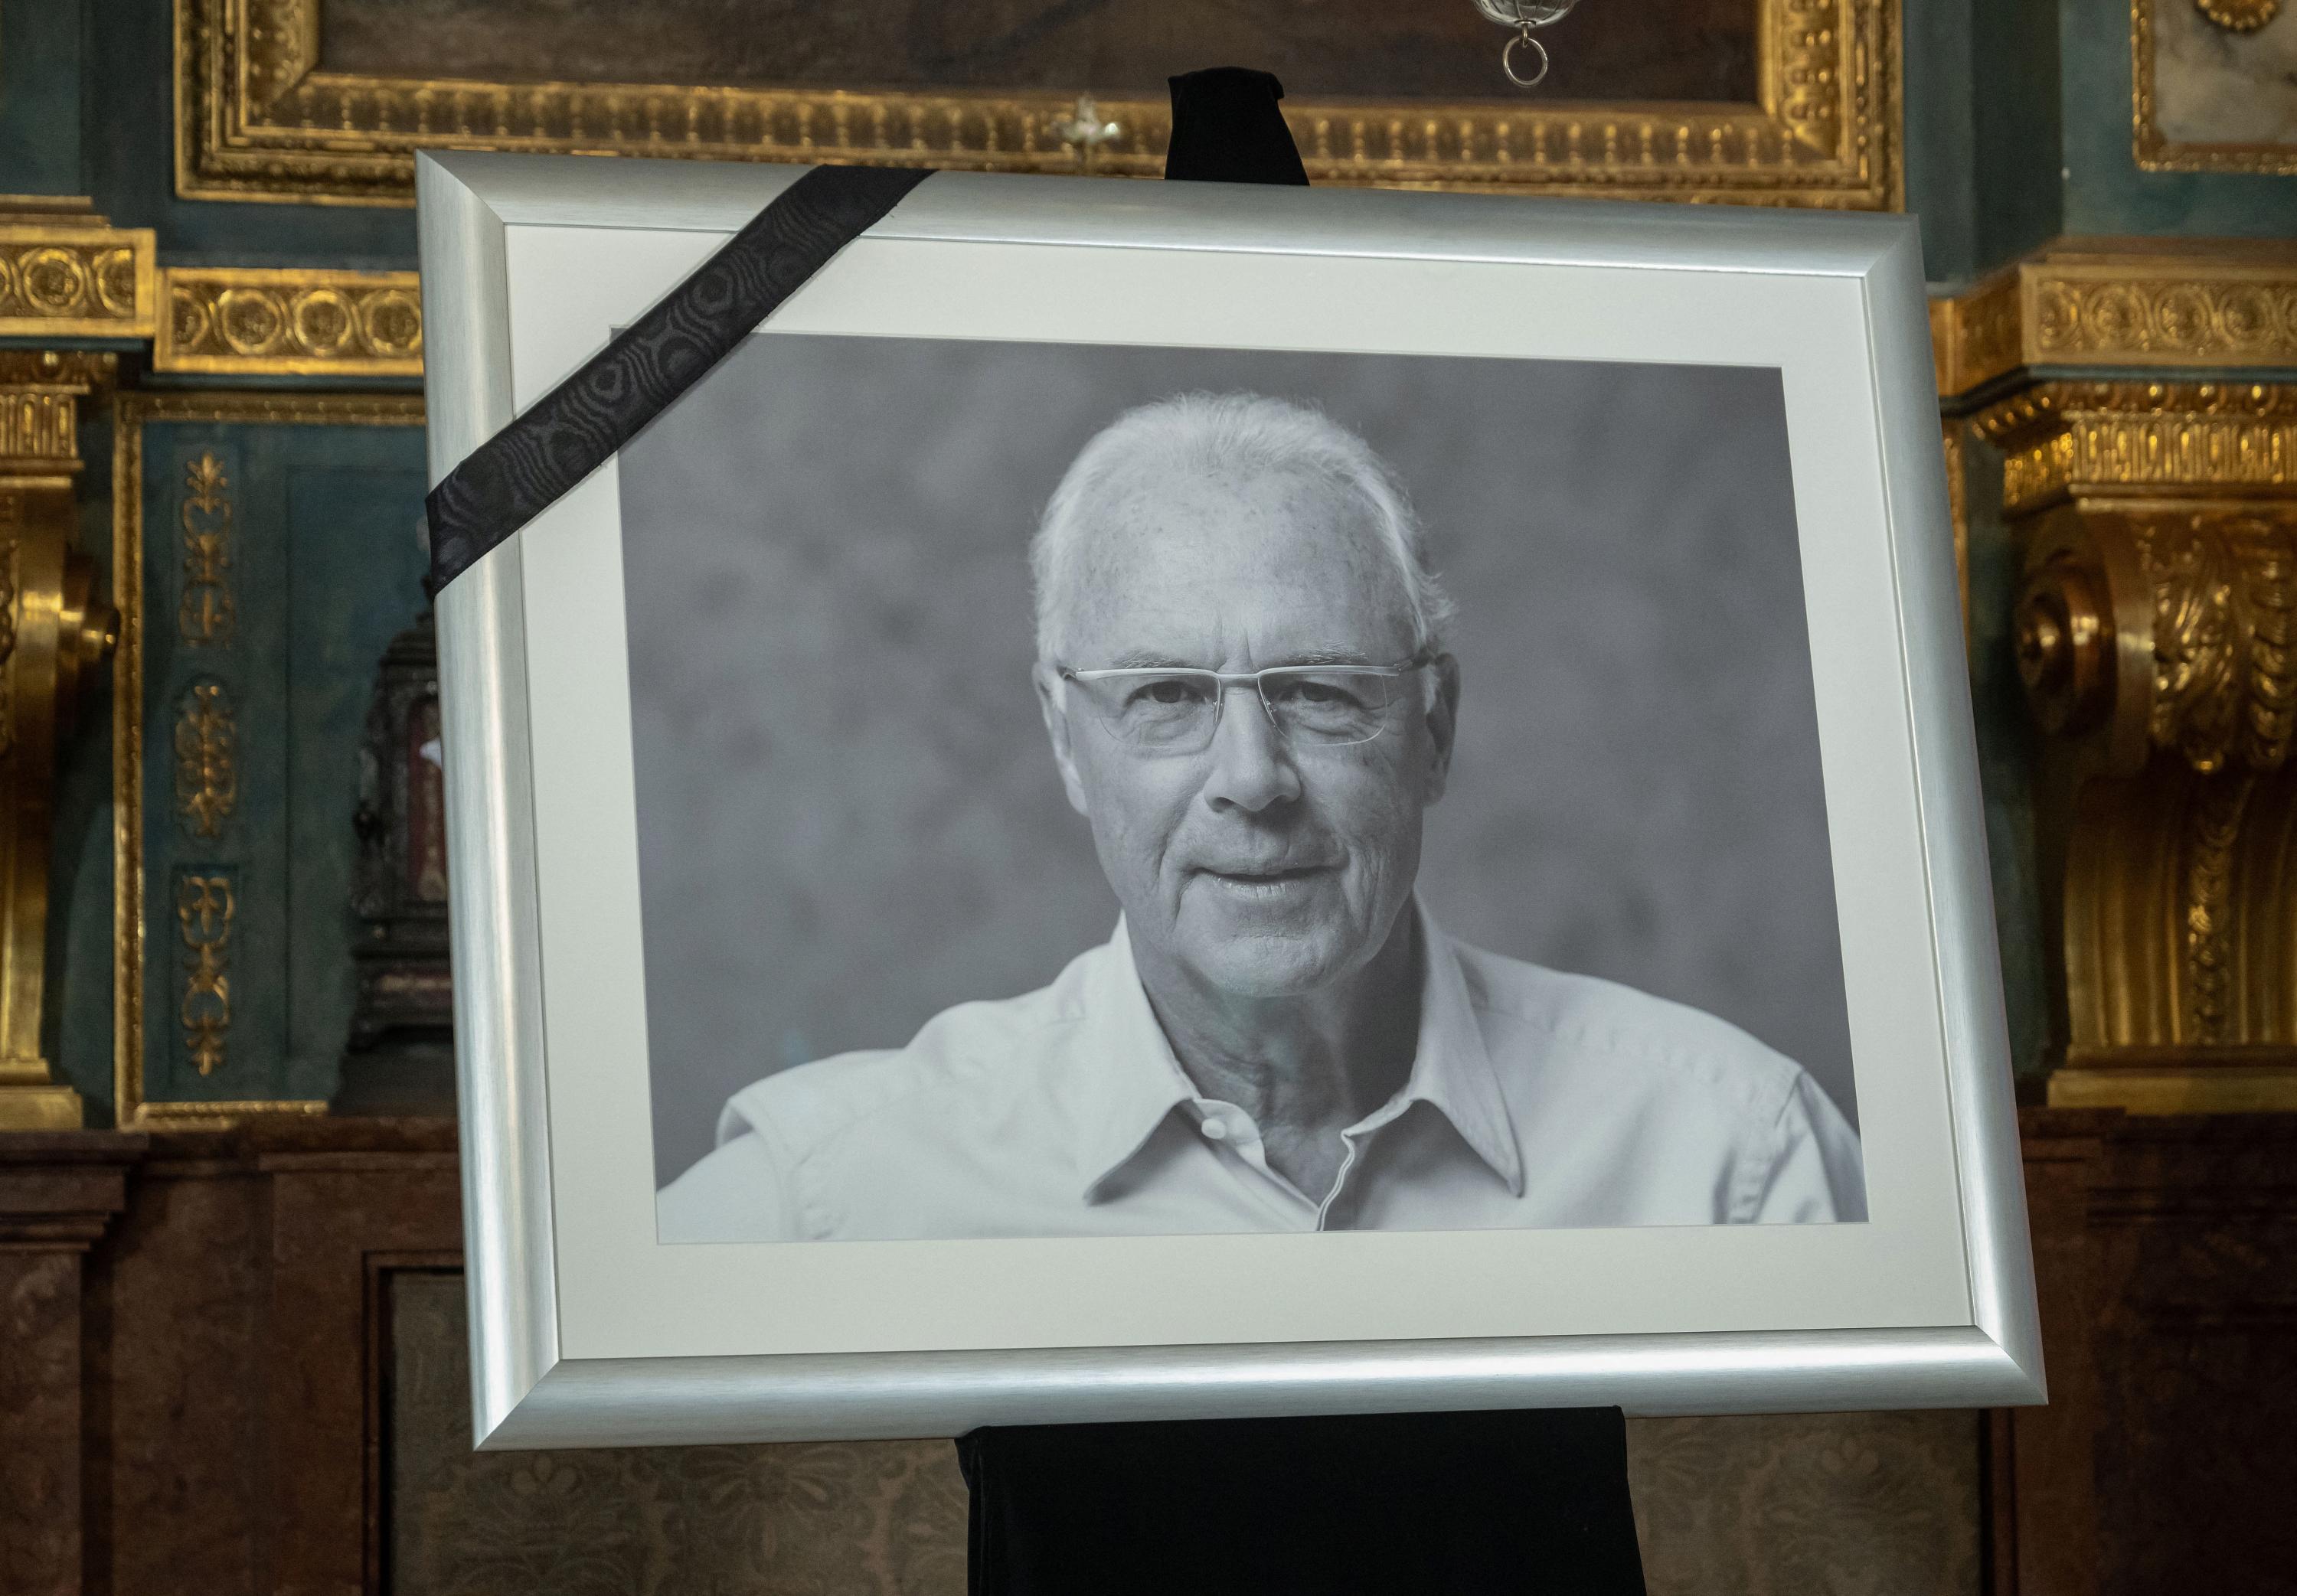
1396, 1504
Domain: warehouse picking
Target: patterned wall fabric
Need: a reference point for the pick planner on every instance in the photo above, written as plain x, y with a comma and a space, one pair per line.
1846, 1504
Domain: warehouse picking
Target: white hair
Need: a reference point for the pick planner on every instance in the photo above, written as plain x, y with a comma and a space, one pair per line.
1197, 433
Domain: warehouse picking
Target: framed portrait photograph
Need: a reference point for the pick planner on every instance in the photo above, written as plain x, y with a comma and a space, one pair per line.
1190, 800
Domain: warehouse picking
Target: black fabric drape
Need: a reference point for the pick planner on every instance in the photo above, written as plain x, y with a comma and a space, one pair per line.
1226, 128
1408, 1505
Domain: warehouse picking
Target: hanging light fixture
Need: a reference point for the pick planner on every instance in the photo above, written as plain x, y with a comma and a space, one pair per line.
1523, 16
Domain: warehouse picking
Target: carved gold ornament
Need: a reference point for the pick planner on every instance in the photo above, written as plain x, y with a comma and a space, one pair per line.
260, 116
204, 907
207, 760
291, 322
207, 615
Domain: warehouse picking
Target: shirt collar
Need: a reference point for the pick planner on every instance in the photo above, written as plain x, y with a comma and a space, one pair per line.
1137, 1080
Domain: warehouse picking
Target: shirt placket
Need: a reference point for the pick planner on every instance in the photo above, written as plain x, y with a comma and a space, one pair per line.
1232, 1130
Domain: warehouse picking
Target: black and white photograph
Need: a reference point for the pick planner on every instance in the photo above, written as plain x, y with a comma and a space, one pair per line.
1098, 790
1157, 800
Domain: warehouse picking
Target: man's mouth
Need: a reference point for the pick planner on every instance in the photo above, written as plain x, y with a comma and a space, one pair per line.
1266, 875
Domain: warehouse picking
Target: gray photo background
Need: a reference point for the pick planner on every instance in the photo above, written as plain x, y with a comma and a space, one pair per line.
848, 816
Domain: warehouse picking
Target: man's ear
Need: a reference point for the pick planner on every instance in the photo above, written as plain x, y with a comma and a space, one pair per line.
1443, 723
1050, 705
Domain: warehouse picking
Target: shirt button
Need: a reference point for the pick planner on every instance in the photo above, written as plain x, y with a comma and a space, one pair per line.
1214, 1131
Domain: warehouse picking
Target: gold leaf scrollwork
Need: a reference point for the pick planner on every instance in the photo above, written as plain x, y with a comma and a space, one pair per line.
2197, 676
207, 763
2213, 833
204, 905
207, 614
2225, 638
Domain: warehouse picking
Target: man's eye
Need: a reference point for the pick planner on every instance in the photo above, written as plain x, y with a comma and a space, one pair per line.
1169, 692
1312, 693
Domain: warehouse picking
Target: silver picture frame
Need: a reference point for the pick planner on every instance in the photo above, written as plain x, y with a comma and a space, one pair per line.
528, 1391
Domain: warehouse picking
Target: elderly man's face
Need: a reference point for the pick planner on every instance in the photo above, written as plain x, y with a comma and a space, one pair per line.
1261, 868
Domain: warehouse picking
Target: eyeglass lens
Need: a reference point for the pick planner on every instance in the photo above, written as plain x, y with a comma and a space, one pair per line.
1178, 710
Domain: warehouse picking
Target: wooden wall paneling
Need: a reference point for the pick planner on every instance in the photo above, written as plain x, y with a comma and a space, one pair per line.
2192, 1232
58, 1191
237, 1382
332, 1211
184, 1377
262, 1389
2042, 1517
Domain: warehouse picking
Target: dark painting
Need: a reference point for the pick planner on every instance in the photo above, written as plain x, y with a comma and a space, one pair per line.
1443, 50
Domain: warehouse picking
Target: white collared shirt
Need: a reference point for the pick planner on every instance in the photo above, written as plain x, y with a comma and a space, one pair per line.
1536, 1099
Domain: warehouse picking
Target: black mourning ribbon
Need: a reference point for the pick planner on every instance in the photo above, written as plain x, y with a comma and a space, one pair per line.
576, 427
1226, 128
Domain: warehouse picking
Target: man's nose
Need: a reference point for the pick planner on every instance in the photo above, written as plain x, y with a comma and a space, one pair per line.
1252, 768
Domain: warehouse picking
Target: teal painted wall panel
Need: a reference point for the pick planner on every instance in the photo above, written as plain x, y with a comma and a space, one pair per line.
325, 567
40, 78
357, 573
1983, 141
2106, 192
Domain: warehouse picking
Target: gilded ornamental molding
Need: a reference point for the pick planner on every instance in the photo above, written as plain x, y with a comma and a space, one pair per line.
260, 116
289, 322
66, 273
2085, 438
2228, 304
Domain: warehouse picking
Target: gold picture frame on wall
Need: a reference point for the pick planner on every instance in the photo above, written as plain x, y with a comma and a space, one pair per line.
260, 116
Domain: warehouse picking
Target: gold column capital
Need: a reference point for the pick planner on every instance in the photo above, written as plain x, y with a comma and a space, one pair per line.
2156, 634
